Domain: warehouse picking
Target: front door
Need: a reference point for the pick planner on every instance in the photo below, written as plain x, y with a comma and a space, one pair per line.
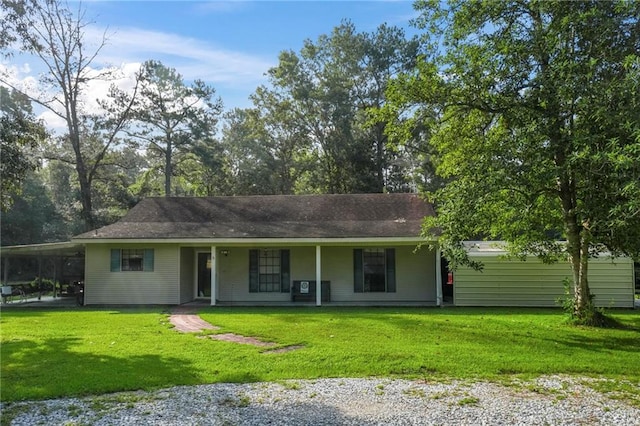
204, 275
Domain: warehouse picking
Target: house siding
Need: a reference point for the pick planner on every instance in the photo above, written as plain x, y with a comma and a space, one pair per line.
532, 283
415, 276
161, 286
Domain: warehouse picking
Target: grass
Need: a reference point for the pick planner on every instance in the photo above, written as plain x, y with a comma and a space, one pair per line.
55, 353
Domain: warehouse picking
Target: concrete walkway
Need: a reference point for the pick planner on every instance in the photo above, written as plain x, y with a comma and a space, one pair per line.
186, 321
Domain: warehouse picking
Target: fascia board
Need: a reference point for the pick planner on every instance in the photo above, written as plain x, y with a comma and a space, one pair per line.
239, 242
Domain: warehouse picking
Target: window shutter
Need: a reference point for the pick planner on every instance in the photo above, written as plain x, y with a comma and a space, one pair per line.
148, 260
358, 273
254, 271
115, 260
285, 284
391, 270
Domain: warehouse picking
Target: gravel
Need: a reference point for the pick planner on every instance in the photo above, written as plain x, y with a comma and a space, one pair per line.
554, 400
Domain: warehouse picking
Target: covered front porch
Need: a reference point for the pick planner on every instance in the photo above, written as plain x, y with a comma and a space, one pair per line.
364, 274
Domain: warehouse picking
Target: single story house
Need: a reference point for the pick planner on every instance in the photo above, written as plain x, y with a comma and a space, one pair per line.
265, 250
363, 249
506, 282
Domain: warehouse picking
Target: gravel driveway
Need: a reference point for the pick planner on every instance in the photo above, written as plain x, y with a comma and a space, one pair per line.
554, 400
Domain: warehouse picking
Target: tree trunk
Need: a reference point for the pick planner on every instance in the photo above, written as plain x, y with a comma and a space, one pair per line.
582, 293
578, 248
81, 169
578, 243
85, 197
168, 169
379, 147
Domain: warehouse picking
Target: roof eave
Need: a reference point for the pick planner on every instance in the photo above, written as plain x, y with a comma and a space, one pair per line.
335, 241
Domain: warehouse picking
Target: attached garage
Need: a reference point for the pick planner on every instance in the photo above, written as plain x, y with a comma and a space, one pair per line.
505, 282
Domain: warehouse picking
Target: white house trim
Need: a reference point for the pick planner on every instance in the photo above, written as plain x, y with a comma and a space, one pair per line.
253, 242
214, 274
318, 276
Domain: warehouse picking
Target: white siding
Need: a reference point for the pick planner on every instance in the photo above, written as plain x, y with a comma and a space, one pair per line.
415, 276
532, 283
233, 279
158, 287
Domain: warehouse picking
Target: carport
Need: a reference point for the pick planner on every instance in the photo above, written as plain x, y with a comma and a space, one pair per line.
61, 263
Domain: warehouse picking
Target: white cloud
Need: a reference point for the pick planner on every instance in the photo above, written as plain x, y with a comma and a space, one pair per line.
227, 70
97, 87
192, 58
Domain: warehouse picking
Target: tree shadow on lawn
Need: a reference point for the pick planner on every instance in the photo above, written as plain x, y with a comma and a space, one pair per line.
400, 317
593, 343
52, 368
369, 311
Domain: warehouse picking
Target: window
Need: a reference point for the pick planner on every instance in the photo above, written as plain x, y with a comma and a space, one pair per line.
132, 260
269, 271
374, 270
127, 260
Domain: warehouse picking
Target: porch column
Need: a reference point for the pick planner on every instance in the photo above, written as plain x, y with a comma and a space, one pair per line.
214, 273
318, 276
438, 277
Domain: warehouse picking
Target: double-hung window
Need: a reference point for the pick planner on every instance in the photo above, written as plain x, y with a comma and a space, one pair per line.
374, 270
269, 271
126, 260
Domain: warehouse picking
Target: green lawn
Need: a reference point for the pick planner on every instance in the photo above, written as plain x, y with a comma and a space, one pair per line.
54, 353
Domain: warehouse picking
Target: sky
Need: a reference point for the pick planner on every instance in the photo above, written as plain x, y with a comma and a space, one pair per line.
228, 44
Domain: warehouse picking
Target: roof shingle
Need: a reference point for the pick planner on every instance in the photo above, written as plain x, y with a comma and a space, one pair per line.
271, 216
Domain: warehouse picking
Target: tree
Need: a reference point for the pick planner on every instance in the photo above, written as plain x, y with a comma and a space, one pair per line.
55, 35
20, 134
32, 216
537, 128
250, 166
169, 118
329, 88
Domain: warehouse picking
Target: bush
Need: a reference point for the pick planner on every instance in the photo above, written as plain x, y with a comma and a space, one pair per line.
591, 316
46, 286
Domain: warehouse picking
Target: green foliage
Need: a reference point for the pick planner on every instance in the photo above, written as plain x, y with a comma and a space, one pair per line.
315, 124
54, 34
170, 119
533, 112
55, 353
591, 316
20, 135
33, 217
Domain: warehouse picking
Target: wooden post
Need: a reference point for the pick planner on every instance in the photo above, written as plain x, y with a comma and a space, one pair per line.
214, 272
318, 276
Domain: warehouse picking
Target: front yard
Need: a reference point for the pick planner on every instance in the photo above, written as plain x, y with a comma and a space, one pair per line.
55, 353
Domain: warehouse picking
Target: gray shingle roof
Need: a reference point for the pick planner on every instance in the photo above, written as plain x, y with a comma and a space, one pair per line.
271, 216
